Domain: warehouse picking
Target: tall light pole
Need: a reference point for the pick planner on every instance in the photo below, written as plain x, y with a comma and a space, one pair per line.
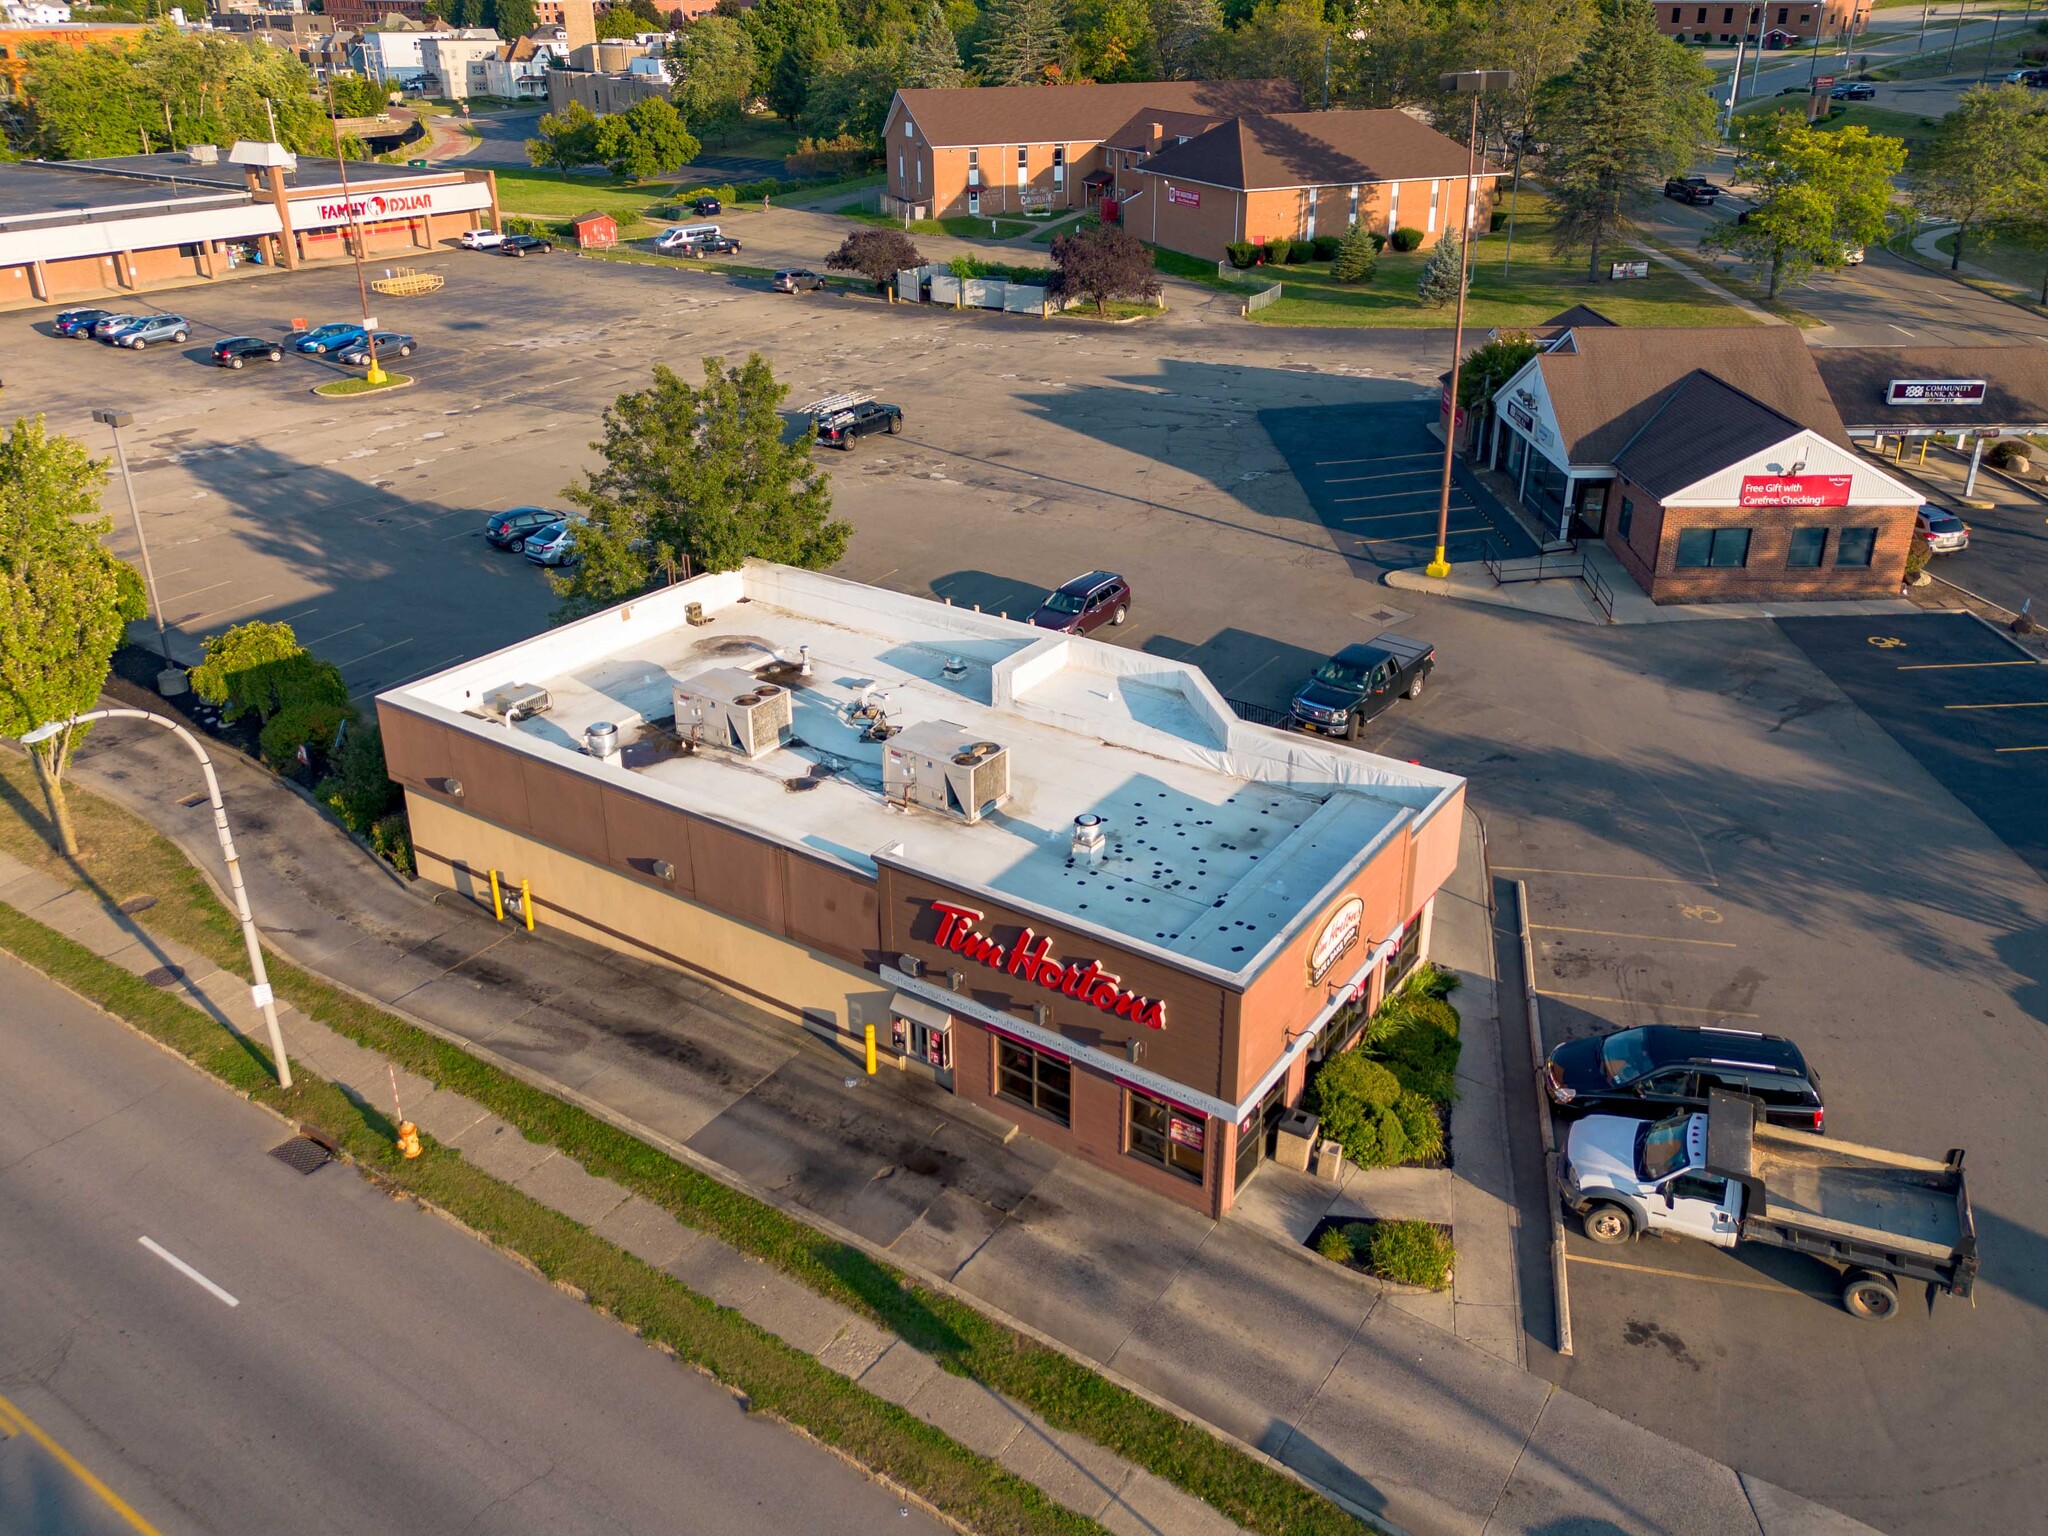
171, 680
259, 990
1474, 83
375, 374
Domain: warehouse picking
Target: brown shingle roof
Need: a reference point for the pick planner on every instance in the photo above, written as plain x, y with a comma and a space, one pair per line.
1314, 149
1703, 425
2016, 379
1611, 379
1042, 114
1137, 133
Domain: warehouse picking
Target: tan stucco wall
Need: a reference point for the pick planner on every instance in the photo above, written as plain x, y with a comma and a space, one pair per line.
575, 896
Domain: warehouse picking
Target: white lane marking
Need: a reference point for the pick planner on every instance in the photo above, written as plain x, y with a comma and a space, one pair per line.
1900, 329
185, 1269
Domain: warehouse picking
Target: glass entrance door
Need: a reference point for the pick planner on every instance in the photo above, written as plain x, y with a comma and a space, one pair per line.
1255, 1136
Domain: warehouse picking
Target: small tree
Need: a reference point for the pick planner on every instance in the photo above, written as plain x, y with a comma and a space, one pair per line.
1103, 263
566, 139
965, 269
1438, 283
698, 476
648, 139
1357, 257
355, 96
63, 602
1492, 365
246, 667
877, 255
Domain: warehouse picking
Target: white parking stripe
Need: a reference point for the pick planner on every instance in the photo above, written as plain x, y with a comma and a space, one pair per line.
185, 1269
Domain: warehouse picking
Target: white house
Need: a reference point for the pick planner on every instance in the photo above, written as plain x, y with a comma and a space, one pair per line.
37, 14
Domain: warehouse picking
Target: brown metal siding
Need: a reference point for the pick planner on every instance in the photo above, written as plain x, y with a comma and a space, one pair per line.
831, 910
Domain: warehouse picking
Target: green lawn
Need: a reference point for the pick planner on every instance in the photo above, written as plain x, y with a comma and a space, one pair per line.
542, 194
2021, 264
765, 137
1537, 286
960, 228
363, 386
1910, 126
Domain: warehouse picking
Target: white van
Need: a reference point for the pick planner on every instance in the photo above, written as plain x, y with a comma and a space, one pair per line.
685, 234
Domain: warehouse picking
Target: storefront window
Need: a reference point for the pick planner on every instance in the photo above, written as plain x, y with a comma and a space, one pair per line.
1855, 547
1159, 1133
1628, 518
1043, 1082
1702, 547
1406, 954
1545, 491
1808, 548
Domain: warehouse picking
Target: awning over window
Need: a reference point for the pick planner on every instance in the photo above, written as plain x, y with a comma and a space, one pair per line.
903, 1006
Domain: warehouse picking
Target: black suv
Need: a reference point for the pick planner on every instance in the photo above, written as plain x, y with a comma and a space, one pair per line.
704, 207
524, 245
841, 427
1692, 189
1658, 1069
237, 350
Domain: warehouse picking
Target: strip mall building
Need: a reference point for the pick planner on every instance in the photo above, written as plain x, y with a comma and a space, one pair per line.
1061, 877
79, 229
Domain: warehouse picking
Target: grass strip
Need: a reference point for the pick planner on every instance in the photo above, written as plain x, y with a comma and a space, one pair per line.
126, 857
773, 1375
363, 386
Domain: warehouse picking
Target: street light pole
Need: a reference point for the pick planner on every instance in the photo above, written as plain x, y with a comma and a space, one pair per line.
374, 374
171, 680
1474, 83
259, 991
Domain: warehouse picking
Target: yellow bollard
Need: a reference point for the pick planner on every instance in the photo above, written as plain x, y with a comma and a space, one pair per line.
497, 897
1923, 450
526, 904
871, 1049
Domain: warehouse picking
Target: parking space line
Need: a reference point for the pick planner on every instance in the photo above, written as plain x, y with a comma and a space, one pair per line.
201, 618
1380, 458
1679, 1274
323, 639
1654, 938
1386, 517
1423, 538
1376, 496
394, 645
197, 590
2036, 704
1599, 874
1636, 1002
1951, 666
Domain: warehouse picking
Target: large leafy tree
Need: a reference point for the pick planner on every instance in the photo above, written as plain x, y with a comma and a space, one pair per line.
647, 139
851, 92
168, 87
1024, 43
2021, 216
1632, 111
791, 38
1185, 33
622, 22
1815, 194
933, 61
697, 476
1101, 264
64, 600
1982, 155
566, 139
1538, 40
1400, 48
514, 18
714, 64
877, 255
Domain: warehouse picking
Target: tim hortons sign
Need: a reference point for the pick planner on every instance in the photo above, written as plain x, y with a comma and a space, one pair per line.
1029, 958
1340, 934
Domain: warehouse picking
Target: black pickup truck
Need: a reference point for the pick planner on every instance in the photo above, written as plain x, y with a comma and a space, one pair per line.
1692, 189
1358, 682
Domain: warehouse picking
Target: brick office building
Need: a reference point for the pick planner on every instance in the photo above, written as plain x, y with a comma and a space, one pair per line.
1061, 878
1293, 176
1780, 24
1002, 149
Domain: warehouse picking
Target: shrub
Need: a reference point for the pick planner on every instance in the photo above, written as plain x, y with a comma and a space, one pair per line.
1357, 256
1432, 980
1417, 1049
1422, 1125
1335, 1245
1242, 253
2007, 453
310, 721
244, 668
1918, 553
1411, 1253
359, 791
844, 156
1497, 221
391, 838
1326, 247
1299, 251
1407, 238
1275, 252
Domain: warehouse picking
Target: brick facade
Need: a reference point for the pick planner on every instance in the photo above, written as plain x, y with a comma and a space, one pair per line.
1794, 20
1157, 212
1650, 551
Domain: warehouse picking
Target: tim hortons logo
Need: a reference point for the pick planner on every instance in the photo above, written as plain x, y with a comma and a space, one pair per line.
1029, 958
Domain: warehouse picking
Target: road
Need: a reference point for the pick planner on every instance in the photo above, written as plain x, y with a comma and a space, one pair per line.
332, 1360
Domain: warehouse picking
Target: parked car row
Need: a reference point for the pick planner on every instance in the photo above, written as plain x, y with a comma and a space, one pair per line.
544, 536
121, 330
504, 244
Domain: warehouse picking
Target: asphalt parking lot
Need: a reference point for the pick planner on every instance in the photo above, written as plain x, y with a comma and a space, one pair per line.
1709, 822
1970, 705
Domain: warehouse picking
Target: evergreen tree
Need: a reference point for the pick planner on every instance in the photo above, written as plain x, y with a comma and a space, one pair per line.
1357, 256
1186, 32
1632, 111
1438, 284
934, 59
514, 18
1027, 43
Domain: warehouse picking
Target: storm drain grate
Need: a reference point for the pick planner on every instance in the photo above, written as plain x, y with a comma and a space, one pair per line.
164, 976
302, 1153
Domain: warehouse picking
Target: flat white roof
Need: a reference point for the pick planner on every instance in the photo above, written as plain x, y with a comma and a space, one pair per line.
1223, 836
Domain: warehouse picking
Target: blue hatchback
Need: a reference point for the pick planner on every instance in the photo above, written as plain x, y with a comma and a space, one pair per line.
329, 338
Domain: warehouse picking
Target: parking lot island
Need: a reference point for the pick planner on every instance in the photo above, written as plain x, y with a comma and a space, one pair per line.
1062, 878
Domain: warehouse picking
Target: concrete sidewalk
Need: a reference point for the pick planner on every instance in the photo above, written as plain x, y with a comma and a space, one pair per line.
1312, 1365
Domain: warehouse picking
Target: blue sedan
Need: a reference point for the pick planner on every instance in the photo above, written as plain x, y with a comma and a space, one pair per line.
329, 338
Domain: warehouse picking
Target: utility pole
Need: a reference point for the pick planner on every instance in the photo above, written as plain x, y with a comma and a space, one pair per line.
1326, 74
1473, 83
1757, 63
171, 680
374, 375
271, 112
1956, 34
1990, 48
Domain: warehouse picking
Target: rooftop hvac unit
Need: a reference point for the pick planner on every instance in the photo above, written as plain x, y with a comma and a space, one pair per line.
203, 154
733, 711
947, 768
517, 701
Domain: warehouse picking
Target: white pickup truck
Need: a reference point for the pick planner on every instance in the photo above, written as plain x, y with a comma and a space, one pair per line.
1727, 1176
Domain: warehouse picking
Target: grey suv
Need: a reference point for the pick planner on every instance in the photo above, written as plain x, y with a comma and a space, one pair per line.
151, 328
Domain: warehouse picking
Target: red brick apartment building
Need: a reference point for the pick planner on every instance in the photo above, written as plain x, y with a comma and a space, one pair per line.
1783, 25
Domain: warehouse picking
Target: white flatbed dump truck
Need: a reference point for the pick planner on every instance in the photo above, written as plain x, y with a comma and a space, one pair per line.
1727, 1177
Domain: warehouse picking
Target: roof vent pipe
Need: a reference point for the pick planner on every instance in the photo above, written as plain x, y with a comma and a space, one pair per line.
803, 661
601, 740
1089, 839
954, 669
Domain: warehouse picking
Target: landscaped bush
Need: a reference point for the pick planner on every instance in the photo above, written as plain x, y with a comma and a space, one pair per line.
1407, 238
391, 838
1358, 255
359, 791
1422, 1124
1416, 1036
1299, 251
245, 668
311, 720
1335, 1245
1275, 252
2007, 453
846, 155
1411, 1253
1355, 1098
1326, 246
1242, 253
1497, 221
1383, 1101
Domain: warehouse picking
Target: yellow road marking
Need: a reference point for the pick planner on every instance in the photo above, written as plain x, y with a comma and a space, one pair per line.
2035, 704
77, 1469
1637, 1002
1654, 938
8, 1428
1950, 666
2020, 749
1679, 1274
1597, 874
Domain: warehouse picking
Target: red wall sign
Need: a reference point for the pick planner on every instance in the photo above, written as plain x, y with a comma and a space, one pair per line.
1029, 959
1794, 491
1185, 198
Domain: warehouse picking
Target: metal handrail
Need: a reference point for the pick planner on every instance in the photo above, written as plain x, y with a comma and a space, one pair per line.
1603, 594
1544, 565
